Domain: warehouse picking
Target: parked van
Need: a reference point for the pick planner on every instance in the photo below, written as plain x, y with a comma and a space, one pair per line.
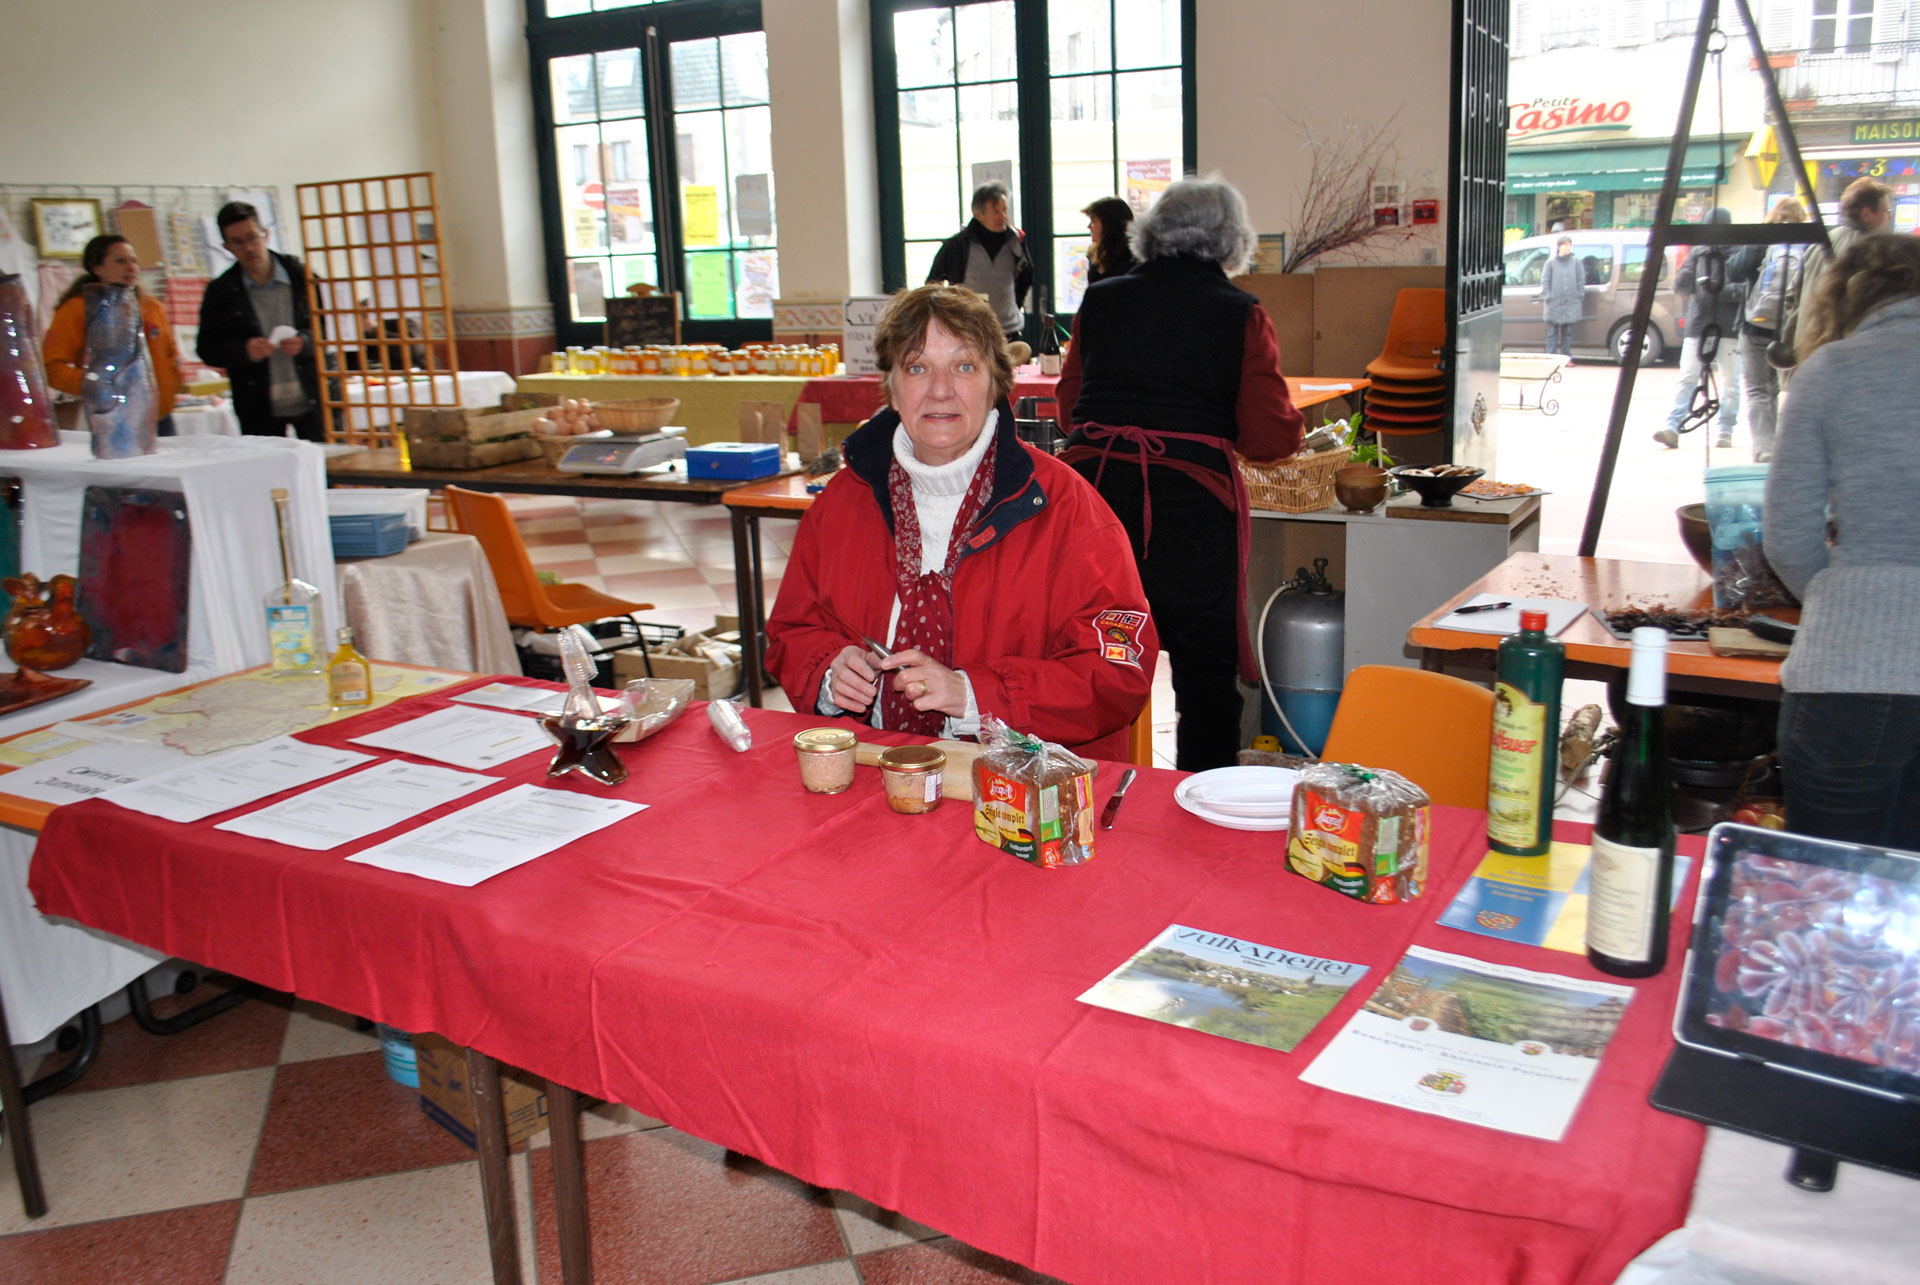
1613, 261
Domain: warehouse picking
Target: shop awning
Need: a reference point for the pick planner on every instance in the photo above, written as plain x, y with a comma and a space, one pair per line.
1610, 169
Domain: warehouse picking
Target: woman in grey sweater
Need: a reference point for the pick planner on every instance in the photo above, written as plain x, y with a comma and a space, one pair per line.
1850, 717
1563, 295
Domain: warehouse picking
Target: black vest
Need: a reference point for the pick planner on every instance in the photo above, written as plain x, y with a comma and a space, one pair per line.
1160, 349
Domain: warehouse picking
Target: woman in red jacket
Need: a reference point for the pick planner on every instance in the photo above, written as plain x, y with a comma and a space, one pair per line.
111, 259
1001, 582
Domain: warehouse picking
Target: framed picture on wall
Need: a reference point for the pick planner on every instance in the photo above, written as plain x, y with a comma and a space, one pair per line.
62, 225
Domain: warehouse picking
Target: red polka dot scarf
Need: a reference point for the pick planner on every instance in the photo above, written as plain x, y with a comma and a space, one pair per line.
926, 601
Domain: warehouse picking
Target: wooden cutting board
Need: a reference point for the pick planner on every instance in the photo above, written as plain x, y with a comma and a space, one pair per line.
958, 781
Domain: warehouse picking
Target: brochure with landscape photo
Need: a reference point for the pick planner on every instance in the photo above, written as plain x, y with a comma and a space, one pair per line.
1224, 986
1500, 1047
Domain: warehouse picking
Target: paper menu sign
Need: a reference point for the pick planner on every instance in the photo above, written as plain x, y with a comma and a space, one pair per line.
1503, 1048
498, 833
353, 807
1224, 986
475, 739
233, 779
1506, 620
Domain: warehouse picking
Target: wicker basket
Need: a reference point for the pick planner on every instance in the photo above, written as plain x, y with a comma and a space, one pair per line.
555, 445
1297, 484
646, 415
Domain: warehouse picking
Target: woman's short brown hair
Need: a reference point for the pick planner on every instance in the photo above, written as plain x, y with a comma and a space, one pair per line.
902, 333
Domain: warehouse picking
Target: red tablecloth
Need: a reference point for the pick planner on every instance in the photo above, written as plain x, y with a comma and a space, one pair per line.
882, 1003
849, 399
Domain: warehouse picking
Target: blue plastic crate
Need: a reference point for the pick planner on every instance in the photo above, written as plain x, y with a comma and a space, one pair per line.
367, 535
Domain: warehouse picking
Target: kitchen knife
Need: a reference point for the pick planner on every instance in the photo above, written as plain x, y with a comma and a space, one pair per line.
1113, 804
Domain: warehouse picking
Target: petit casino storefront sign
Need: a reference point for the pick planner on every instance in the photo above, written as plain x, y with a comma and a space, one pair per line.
1547, 116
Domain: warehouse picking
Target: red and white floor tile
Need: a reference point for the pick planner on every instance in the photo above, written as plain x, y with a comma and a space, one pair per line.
268, 1145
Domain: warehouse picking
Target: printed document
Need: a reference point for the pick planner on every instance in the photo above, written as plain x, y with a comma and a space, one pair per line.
527, 700
80, 769
234, 779
356, 806
498, 833
471, 738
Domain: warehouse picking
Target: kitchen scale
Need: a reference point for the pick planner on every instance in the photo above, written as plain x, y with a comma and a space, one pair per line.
611, 453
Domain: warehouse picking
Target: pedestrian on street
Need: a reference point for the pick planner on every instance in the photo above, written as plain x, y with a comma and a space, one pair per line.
1563, 296
1707, 311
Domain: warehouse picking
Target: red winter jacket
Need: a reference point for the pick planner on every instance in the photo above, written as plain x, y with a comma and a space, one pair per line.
1050, 622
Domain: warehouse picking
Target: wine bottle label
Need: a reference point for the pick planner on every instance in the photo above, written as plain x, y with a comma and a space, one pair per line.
290, 633
1513, 773
1621, 883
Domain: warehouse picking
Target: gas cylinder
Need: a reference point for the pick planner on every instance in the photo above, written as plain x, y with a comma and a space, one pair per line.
1302, 659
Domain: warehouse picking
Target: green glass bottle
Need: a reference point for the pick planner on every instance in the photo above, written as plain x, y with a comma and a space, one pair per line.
1526, 740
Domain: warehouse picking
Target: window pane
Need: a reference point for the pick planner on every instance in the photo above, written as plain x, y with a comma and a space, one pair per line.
632, 271
1824, 8
1148, 106
1147, 33
743, 68
573, 98
696, 74
709, 285
620, 93
627, 186
929, 183
1080, 36
983, 42
705, 202
582, 198
1083, 169
1859, 35
920, 260
758, 274
989, 136
750, 157
1070, 266
587, 289
567, 8
923, 47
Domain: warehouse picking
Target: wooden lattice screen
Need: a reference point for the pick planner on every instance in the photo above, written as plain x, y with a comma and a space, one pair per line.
382, 317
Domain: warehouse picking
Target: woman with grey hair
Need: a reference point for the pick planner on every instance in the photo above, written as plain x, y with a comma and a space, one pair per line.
1172, 371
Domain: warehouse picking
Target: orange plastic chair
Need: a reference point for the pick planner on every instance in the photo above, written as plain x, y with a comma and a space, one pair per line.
1433, 729
1416, 337
529, 603
1140, 737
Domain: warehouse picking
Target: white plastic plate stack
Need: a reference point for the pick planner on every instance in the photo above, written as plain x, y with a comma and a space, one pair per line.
1240, 798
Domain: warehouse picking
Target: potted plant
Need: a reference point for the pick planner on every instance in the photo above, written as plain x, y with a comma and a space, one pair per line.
1363, 481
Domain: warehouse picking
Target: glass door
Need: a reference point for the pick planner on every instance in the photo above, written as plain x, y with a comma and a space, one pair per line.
722, 130
602, 178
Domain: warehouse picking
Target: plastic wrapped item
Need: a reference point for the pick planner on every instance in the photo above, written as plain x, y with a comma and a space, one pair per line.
1032, 798
1361, 831
1742, 576
726, 720
651, 703
26, 407
121, 395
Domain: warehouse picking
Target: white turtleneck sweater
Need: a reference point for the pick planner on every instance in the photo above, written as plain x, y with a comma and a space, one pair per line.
938, 491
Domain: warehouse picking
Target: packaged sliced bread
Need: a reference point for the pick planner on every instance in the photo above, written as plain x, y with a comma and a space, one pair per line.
1361, 831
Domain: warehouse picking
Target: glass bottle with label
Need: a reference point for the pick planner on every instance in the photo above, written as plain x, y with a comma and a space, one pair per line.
1526, 740
1630, 881
349, 676
1048, 352
295, 628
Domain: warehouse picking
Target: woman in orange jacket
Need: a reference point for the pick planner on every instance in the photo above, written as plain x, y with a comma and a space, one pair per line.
111, 259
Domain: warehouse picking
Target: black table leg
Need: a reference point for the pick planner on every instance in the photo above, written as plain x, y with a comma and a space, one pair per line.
746, 593
87, 1050
569, 1185
496, 1186
18, 1129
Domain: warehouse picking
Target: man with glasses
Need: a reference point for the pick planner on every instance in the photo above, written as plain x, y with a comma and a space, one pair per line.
275, 384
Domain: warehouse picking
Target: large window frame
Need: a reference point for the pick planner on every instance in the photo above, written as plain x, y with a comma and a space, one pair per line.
652, 29
1034, 94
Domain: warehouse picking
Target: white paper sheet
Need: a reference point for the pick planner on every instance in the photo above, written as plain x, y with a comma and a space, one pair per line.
1506, 620
498, 833
1503, 1048
234, 779
356, 806
471, 738
524, 700
88, 769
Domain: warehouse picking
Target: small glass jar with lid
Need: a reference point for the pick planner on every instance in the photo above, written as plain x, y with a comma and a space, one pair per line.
826, 758
913, 775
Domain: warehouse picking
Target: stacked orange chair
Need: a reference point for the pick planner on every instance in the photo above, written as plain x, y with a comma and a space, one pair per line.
529, 604
1409, 392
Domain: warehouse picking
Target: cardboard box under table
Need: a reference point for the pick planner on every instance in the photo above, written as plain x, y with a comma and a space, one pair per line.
445, 1101
712, 680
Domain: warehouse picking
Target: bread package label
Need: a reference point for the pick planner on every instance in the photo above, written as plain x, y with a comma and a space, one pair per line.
1032, 799
1360, 831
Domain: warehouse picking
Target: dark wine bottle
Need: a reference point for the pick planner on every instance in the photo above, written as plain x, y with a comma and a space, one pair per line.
1049, 350
1630, 882
1526, 740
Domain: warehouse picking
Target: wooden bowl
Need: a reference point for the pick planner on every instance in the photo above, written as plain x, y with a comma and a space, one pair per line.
645, 415
1361, 487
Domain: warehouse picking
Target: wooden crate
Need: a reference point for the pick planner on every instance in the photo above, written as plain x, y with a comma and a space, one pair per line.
711, 681
467, 437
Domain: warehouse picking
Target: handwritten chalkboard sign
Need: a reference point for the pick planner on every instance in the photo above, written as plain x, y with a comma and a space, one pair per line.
652, 320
